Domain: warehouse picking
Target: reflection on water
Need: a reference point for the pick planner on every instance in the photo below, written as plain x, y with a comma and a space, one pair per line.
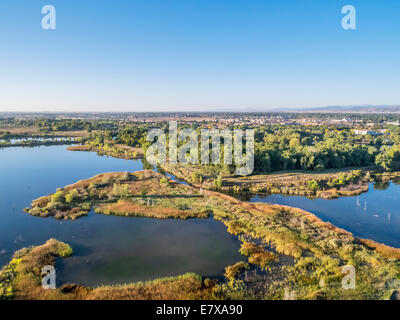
107, 249
121, 249
381, 185
36, 139
374, 214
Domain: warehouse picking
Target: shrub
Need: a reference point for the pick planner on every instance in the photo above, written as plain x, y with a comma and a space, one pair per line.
218, 183
58, 197
197, 177
257, 254
71, 196
233, 271
313, 185
164, 180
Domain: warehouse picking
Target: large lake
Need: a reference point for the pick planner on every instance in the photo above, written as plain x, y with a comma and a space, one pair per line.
373, 215
107, 249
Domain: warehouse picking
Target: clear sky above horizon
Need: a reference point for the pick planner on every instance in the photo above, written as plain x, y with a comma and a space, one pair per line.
174, 55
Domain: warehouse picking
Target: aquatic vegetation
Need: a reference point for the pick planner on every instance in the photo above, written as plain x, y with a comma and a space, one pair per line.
189, 286
307, 253
231, 272
130, 208
280, 182
143, 193
386, 251
21, 279
327, 184
258, 255
110, 149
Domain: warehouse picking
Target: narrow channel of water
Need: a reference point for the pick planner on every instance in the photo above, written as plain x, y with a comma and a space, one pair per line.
373, 215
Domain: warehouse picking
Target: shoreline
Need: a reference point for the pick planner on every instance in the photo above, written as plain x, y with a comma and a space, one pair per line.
114, 150
290, 183
289, 231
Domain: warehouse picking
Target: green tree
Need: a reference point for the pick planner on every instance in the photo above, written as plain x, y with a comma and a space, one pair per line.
313, 185
71, 196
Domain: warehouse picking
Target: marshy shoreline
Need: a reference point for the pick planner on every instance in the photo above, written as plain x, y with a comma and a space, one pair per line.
269, 233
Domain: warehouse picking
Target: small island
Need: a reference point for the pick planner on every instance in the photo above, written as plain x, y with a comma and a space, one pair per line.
114, 150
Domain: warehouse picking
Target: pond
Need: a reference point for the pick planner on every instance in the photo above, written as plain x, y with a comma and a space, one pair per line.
107, 249
373, 215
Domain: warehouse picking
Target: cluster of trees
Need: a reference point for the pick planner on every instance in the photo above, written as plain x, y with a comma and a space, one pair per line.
49, 125
132, 135
389, 158
319, 148
33, 142
294, 147
309, 149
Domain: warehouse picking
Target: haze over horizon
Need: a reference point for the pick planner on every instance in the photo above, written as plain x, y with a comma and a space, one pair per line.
356, 108
167, 55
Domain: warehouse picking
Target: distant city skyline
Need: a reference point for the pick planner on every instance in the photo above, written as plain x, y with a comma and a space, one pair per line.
188, 55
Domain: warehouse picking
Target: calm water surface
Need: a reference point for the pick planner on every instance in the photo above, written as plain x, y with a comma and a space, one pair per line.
374, 214
107, 249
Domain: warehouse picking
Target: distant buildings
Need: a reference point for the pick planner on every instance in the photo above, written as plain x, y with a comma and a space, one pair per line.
365, 132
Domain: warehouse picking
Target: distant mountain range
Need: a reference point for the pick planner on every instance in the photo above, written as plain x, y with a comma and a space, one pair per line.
354, 109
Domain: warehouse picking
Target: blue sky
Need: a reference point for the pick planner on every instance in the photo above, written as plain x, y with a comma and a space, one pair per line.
172, 55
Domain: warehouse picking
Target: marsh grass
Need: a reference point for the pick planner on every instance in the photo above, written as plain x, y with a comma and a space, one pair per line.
233, 271
318, 250
21, 279
257, 254
111, 149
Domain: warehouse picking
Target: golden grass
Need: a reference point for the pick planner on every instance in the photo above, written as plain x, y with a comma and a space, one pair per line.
318, 247
185, 287
144, 193
129, 208
235, 270
257, 254
78, 148
114, 150
384, 250
291, 183
23, 281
